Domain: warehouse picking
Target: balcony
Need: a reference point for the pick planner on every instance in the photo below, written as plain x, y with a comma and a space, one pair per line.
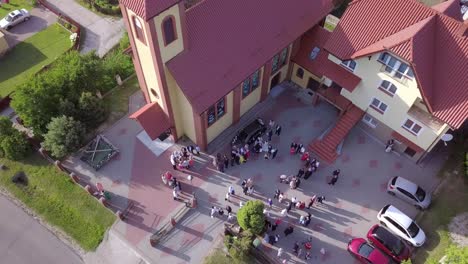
403, 80
425, 118
332, 95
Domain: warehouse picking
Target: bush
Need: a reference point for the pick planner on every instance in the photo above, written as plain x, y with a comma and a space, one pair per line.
217, 257
116, 62
16, 146
124, 42
65, 135
91, 110
13, 143
250, 217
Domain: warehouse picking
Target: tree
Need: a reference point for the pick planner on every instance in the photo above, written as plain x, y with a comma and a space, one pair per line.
408, 261
64, 136
250, 216
239, 247
16, 146
92, 111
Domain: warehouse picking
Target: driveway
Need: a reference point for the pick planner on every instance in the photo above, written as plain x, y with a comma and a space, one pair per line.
101, 32
23, 240
41, 18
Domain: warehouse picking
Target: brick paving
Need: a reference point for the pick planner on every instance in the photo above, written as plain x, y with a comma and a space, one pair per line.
349, 210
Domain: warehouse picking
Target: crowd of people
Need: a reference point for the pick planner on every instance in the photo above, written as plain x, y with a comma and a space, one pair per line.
183, 159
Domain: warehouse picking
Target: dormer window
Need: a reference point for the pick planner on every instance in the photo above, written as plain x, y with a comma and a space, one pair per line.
138, 29
314, 53
169, 30
349, 65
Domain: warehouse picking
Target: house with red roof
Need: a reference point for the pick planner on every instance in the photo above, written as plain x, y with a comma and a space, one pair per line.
202, 67
396, 68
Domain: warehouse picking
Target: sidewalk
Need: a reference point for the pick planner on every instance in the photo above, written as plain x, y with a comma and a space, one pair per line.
101, 33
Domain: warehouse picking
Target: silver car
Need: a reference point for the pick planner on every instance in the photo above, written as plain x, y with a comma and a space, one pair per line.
14, 18
409, 192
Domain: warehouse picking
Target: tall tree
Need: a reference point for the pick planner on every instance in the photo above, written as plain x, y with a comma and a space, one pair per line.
251, 217
65, 135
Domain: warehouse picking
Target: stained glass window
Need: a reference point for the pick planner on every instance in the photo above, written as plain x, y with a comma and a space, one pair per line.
274, 64
284, 56
246, 87
211, 115
220, 108
255, 79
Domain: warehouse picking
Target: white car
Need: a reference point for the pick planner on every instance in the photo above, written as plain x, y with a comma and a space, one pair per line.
401, 225
14, 18
409, 192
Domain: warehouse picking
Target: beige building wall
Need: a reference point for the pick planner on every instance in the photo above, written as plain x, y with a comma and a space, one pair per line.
146, 60
224, 122
170, 51
283, 70
253, 98
369, 70
182, 109
302, 82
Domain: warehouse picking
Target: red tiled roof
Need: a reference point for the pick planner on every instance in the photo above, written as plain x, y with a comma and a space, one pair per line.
434, 44
153, 119
229, 40
147, 9
321, 65
449, 8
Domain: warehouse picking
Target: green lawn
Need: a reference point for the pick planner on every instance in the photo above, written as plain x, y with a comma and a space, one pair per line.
28, 57
14, 5
117, 100
449, 202
57, 200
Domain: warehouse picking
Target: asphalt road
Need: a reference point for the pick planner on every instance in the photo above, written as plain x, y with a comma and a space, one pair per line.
24, 240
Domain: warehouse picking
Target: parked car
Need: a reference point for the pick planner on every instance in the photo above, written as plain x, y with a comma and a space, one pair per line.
14, 18
401, 225
389, 243
409, 192
366, 253
250, 133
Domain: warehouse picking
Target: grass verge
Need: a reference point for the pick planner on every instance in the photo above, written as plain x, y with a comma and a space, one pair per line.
447, 203
58, 201
117, 100
29, 56
14, 5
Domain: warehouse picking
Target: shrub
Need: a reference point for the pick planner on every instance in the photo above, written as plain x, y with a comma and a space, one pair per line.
250, 216
239, 247
124, 42
119, 63
6, 127
16, 146
92, 111
65, 135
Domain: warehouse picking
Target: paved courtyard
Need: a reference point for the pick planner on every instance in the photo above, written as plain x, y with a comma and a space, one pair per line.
349, 210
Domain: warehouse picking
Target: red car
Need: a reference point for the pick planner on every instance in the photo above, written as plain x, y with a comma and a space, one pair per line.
366, 253
389, 243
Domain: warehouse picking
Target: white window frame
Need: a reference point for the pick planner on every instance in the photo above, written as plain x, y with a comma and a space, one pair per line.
378, 107
347, 65
410, 129
396, 67
387, 89
369, 122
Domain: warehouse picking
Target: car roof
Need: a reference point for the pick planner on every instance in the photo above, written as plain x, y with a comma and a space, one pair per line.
14, 13
398, 216
384, 234
254, 125
405, 184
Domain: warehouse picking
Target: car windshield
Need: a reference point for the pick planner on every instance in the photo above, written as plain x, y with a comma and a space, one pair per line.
413, 230
420, 194
365, 250
9, 18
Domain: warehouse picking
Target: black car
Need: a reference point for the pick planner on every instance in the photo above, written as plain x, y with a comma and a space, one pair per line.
250, 133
